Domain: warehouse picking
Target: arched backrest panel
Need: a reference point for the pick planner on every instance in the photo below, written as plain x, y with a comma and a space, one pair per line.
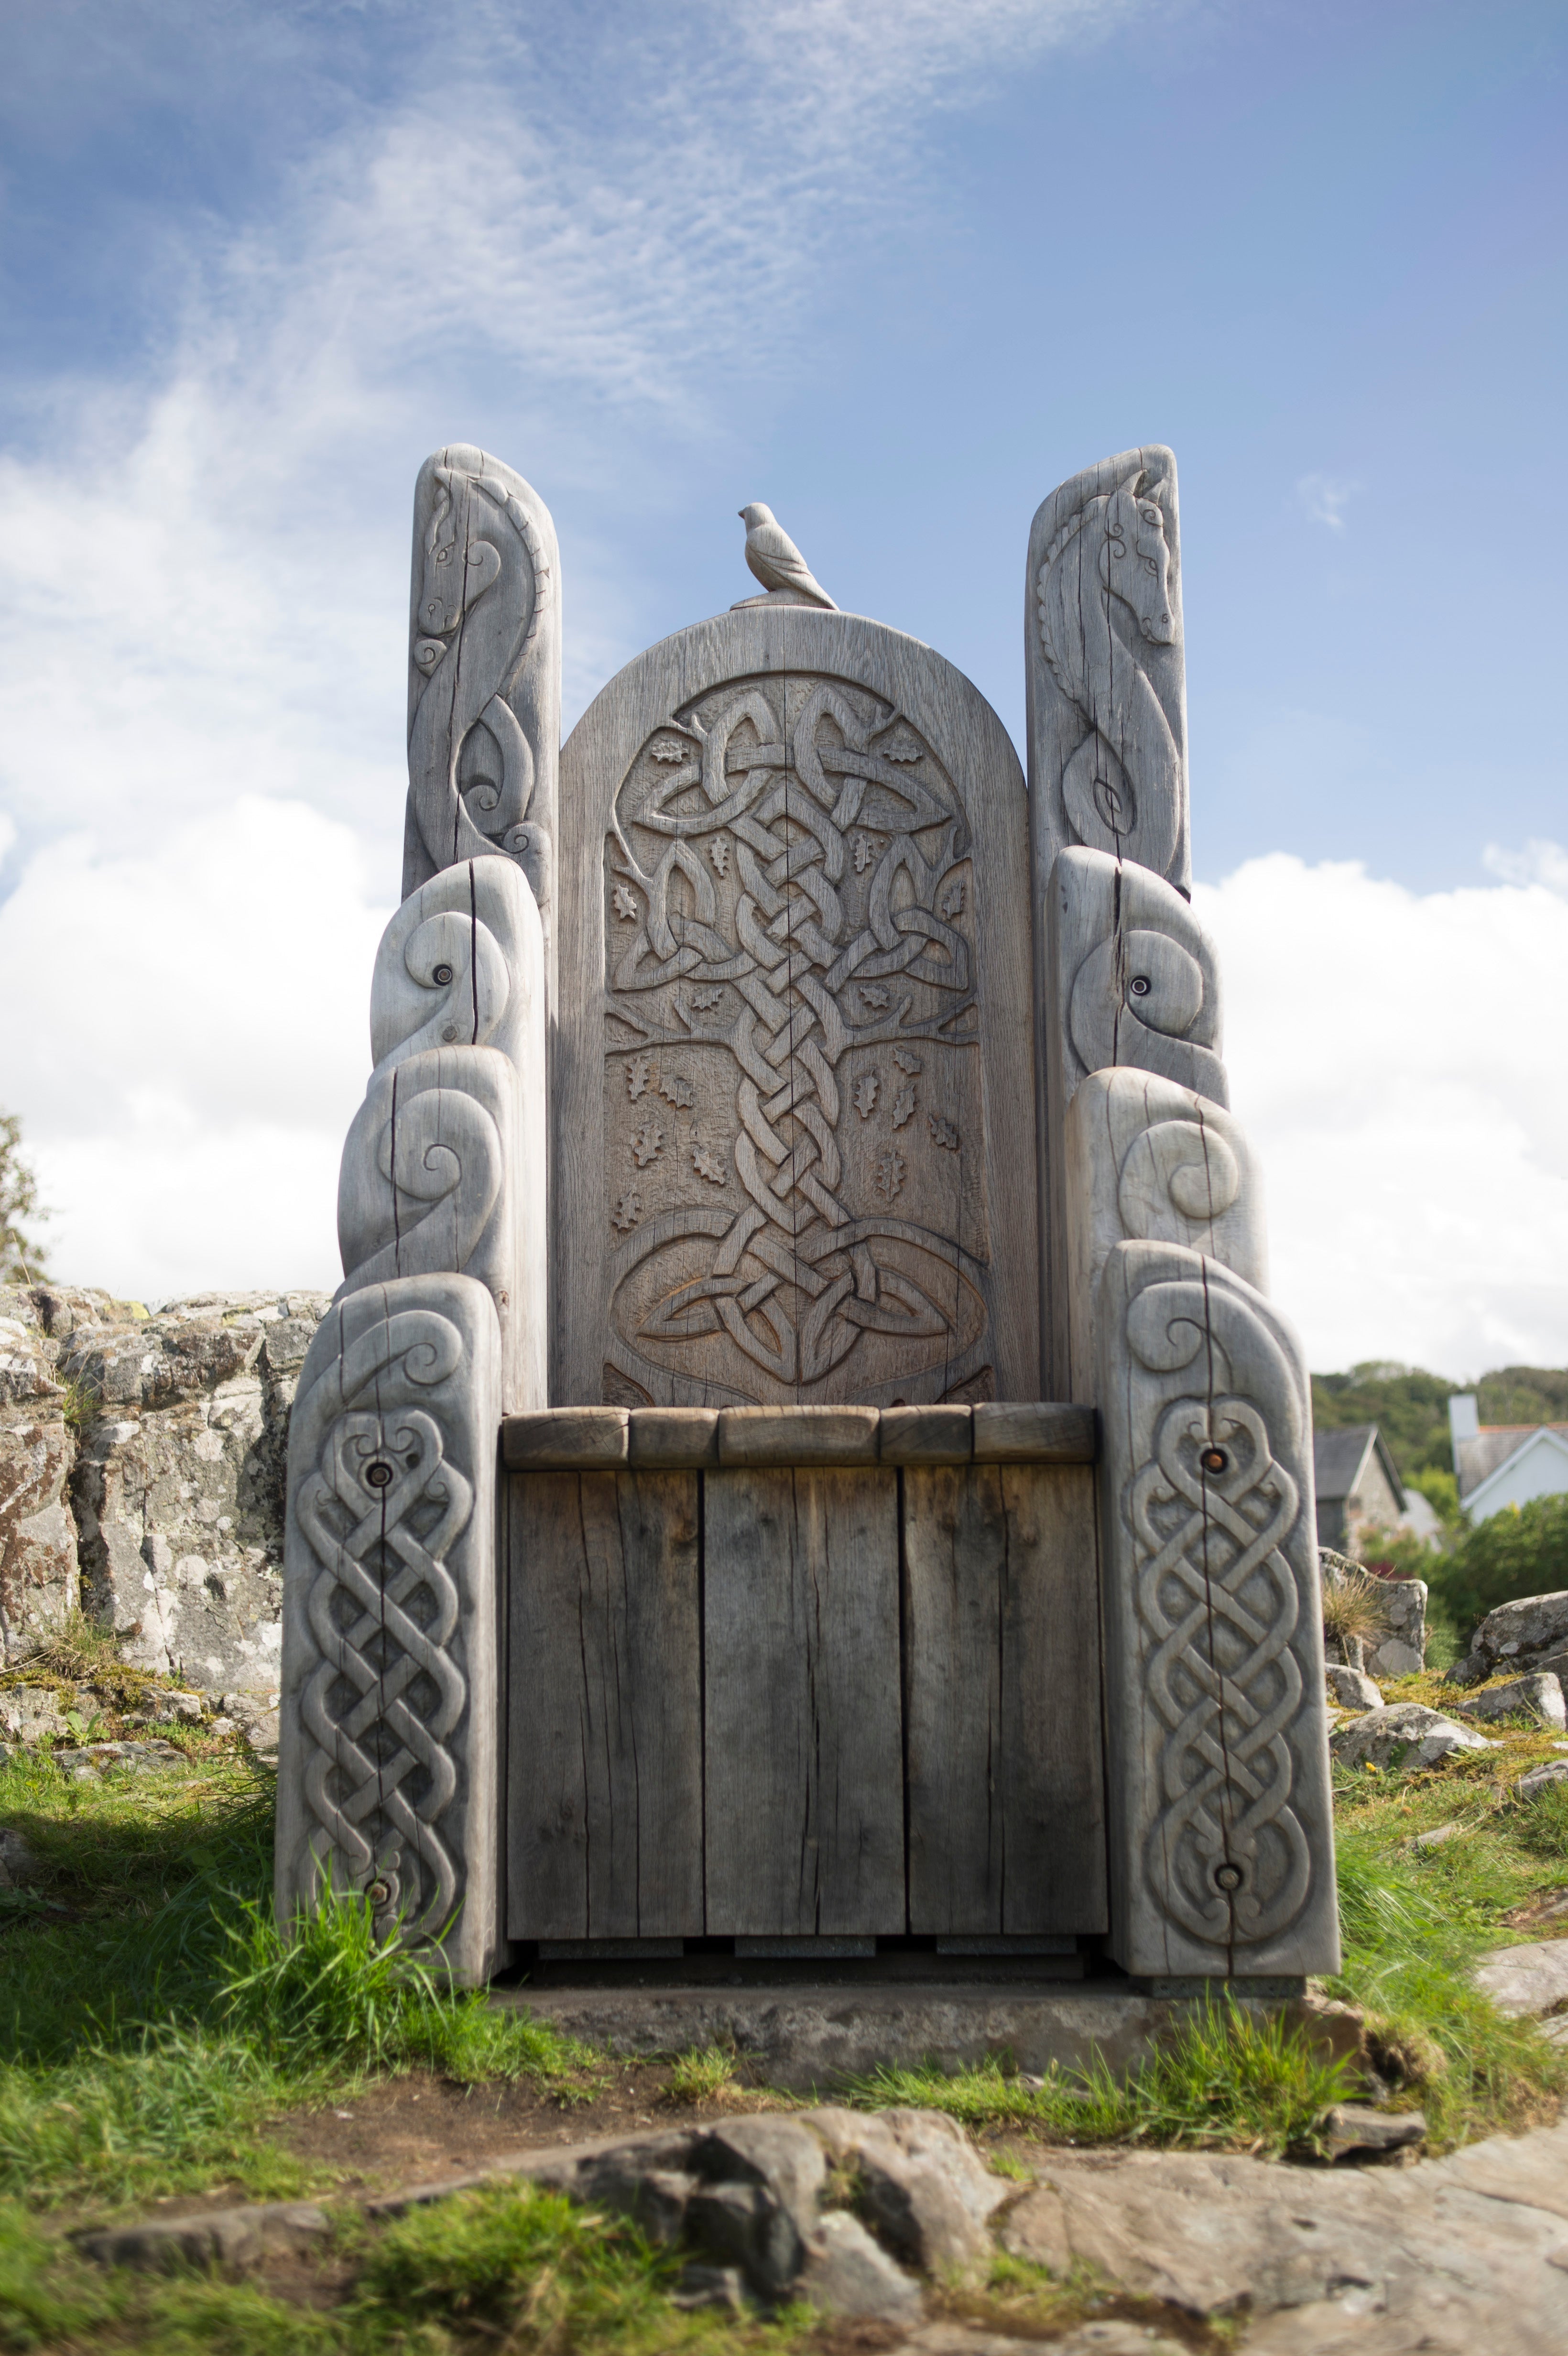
795, 1133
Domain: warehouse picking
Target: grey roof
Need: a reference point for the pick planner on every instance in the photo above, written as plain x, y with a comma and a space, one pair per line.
1477, 1460
1338, 1458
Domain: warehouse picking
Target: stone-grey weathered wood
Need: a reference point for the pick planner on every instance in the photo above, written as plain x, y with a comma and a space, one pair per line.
793, 1161
483, 676
605, 1810
1105, 667
461, 964
804, 1761
686, 1436
1033, 1433
1150, 1162
797, 1435
1006, 1817
926, 1435
586, 1437
1221, 1832
389, 1746
431, 1181
1130, 978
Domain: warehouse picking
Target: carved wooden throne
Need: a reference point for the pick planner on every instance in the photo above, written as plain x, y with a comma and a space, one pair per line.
802, 1455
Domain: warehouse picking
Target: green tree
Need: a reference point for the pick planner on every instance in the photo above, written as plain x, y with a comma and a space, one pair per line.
22, 1257
1523, 1550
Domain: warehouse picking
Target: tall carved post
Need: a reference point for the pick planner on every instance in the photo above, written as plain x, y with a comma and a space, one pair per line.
483, 676
1153, 1263
389, 1772
1222, 1841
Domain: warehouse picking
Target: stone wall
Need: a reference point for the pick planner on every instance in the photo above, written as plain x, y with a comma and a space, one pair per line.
142, 1469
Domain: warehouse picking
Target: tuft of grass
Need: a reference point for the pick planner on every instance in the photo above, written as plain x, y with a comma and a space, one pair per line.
1224, 2078
701, 2076
151, 2018
1355, 1609
522, 2266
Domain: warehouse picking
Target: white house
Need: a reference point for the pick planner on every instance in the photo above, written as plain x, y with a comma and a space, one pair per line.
1502, 1464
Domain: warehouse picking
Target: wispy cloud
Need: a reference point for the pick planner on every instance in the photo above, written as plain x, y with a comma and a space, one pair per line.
603, 226
1540, 863
1325, 498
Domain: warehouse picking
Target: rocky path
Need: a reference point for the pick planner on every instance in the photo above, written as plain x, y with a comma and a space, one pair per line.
1458, 2256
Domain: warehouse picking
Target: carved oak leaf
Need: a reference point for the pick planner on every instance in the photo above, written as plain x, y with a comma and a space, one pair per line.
875, 995
889, 1173
865, 852
943, 1132
627, 1211
903, 1105
864, 1094
647, 1143
703, 998
952, 901
637, 1076
719, 852
904, 744
627, 906
675, 1090
710, 1165
906, 1059
666, 750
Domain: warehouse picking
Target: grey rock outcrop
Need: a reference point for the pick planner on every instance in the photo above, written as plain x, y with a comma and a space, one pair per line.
1352, 1689
1529, 1635
1404, 1737
1539, 1697
142, 1473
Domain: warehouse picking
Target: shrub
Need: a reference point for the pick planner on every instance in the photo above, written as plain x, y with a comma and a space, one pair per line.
1522, 1551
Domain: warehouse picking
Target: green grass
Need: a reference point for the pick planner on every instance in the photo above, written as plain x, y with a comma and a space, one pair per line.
153, 2022
510, 2267
1224, 2078
154, 2027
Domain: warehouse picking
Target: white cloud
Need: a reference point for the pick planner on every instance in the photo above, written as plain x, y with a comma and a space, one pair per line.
1325, 498
1392, 1055
1539, 862
194, 1041
202, 657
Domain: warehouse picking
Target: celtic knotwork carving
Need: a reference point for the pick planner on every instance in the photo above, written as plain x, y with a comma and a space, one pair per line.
381, 1512
787, 891
1226, 1852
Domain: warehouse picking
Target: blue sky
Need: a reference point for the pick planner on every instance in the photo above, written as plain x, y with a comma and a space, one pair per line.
897, 270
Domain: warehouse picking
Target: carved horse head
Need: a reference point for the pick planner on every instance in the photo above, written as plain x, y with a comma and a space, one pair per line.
454, 575
1135, 562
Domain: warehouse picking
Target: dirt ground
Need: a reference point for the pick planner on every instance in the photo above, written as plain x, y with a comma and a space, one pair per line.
410, 2130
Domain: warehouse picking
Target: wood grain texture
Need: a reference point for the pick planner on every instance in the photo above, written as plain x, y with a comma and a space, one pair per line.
674, 1435
1150, 1162
431, 1181
1221, 1829
1006, 1824
1130, 979
605, 1808
926, 1435
484, 676
781, 1172
797, 1435
588, 1437
1039, 1433
804, 1765
389, 1741
1105, 667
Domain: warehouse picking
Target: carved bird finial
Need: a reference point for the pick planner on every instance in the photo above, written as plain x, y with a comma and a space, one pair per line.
776, 561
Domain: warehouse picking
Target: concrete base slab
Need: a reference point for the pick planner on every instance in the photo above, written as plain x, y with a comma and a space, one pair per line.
804, 2038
